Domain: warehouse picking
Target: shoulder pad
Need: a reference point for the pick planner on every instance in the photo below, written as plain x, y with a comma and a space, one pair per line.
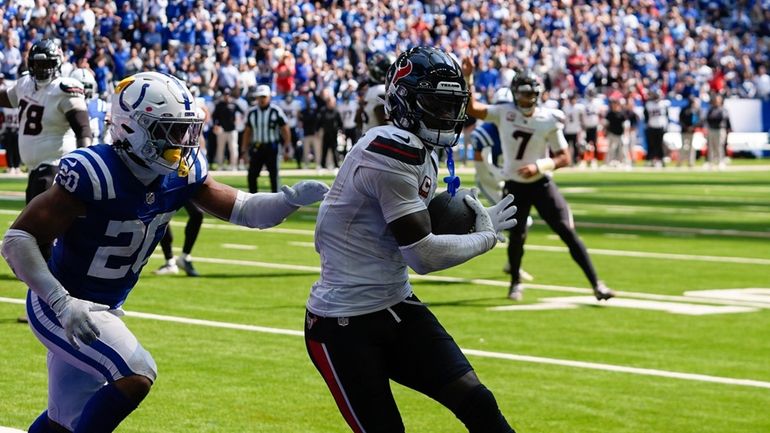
397, 144
71, 86
86, 174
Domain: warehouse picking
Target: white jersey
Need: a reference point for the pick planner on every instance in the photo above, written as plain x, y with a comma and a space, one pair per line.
656, 113
373, 97
44, 132
348, 111
291, 110
524, 139
388, 174
9, 120
593, 110
573, 118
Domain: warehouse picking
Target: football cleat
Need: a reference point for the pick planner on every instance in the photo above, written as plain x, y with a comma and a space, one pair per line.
169, 268
186, 266
523, 275
516, 292
602, 292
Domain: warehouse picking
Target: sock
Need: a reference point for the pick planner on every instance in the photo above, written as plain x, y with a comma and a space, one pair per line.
185, 257
41, 424
171, 261
104, 411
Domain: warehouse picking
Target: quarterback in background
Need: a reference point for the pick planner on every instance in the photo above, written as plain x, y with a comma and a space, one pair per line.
364, 325
528, 133
107, 210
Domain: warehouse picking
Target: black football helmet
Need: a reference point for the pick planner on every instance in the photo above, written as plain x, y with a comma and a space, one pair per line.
426, 95
526, 90
44, 61
378, 65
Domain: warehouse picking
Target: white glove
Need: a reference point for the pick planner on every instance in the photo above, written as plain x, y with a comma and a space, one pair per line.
73, 313
304, 192
494, 218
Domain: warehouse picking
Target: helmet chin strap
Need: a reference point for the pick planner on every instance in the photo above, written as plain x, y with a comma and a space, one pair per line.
452, 181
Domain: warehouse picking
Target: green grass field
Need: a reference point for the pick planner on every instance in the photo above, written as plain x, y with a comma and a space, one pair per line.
555, 367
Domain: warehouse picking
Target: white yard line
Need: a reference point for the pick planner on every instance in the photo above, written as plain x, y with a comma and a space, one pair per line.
644, 254
471, 352
547, 248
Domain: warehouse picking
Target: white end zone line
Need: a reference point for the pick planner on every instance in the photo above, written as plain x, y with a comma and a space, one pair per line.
471, 352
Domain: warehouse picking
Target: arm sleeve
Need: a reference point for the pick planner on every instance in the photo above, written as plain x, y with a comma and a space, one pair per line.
21, 251
436, 252
260, 210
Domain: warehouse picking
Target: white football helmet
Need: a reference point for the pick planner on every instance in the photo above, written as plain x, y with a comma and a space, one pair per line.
155, 117
87, 79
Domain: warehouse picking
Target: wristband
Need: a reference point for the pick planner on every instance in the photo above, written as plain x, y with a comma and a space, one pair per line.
545, 164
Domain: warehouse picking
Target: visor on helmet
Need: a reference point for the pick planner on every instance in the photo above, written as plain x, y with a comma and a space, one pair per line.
442, 111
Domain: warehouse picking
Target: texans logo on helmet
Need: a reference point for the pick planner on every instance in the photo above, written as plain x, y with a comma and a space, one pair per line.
402, 71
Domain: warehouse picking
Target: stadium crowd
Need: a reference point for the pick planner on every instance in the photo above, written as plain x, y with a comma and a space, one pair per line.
620, 48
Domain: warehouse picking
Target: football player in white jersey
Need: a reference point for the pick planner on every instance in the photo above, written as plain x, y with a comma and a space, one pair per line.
656, 118
573, 126
53, 117
107, 210
364, 327
371, 111
533, 146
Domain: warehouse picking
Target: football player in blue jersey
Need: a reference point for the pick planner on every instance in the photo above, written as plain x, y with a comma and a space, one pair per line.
107, 210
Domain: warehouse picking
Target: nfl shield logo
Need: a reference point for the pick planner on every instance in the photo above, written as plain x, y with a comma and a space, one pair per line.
149, 198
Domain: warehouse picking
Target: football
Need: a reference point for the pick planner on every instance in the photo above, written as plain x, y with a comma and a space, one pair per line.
451, 215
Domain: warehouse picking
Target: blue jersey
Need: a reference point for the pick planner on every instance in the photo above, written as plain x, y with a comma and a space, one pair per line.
97, 112
100, 256
486, 135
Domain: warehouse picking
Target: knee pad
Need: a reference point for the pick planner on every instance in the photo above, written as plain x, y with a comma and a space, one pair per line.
480, 414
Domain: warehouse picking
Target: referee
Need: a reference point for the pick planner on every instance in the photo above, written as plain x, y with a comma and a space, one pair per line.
266, 127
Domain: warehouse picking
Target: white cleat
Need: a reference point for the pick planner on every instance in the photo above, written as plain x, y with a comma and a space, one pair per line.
170, 268
516, 292
602, 292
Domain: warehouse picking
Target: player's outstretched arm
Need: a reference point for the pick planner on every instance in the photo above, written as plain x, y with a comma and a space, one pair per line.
260, 210
46, 217
475, 108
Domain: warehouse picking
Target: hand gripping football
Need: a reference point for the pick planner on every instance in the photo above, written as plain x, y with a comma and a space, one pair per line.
451, 215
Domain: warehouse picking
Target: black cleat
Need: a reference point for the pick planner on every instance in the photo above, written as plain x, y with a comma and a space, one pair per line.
187, 267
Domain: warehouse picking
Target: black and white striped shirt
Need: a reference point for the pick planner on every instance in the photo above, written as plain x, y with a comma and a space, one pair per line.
266, 124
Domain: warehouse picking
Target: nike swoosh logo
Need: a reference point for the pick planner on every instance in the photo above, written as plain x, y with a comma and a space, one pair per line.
404, 139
